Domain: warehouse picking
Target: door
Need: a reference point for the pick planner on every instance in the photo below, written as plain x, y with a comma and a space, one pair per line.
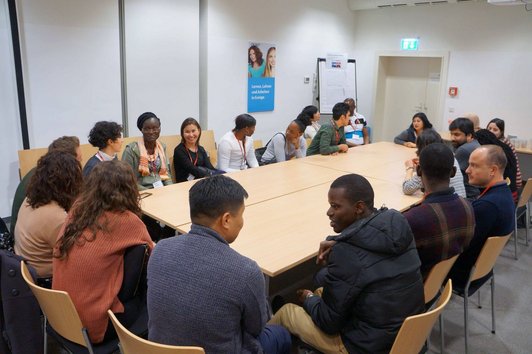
405, 86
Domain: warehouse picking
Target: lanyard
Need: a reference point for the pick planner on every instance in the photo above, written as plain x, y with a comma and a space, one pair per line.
491, 184
242, 150
195, 162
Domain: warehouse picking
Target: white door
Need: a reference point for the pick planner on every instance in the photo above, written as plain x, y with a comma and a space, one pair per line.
405, 86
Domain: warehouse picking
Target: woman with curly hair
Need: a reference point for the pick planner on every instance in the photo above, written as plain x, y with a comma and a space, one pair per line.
51, 192
107, 137
89, 254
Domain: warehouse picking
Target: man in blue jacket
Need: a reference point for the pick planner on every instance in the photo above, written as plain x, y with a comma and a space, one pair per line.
372, 281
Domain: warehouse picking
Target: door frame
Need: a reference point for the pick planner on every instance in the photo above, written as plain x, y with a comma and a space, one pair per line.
380, 87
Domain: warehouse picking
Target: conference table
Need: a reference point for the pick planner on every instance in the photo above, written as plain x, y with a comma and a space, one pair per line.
285, 217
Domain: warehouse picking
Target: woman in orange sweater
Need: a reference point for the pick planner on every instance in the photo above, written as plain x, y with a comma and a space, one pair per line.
89, 254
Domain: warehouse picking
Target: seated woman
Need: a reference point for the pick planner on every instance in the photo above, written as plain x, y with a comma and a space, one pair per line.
408, 137
283, 147
89, 254
314, 115
107, 137
235, 149
357, 124
147, 156
190, 158
413, 183
52, 189
496, 126
485, 137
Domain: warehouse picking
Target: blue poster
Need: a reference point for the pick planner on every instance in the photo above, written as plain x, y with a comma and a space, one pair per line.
261, 77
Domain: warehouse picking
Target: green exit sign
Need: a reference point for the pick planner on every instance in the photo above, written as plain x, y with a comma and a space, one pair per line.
409, 44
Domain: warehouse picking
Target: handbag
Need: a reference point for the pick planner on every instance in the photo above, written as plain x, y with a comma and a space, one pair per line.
7, 241
260, 151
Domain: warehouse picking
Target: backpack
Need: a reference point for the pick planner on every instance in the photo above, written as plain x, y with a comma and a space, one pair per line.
260, 151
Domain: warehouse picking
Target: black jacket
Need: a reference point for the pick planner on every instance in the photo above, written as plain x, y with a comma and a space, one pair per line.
20, 314
372, 284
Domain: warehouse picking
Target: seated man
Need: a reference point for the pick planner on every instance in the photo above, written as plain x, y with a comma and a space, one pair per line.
330, 139
444, 223
494, 208
464, 142
203, 293
372, 281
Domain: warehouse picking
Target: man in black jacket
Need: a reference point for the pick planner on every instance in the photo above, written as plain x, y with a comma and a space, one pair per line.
372, 281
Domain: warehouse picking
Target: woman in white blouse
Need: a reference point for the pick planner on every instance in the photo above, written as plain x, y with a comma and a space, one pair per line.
235, 149
314, 115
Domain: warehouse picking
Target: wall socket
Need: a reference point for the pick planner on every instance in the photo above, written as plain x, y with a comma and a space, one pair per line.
306, 79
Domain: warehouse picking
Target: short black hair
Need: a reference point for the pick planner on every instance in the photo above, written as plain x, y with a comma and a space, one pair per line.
356, 188
436, 162
144, 117
243, 121
212, 197
339, 110
426, 123
102, 132
427, 137
465, 125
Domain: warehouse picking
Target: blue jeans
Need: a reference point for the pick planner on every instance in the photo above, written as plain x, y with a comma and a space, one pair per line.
275, 339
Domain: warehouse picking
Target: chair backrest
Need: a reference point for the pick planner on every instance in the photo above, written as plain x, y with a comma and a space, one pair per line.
58, 308
488, 256
132, 344
257, 144
415, 329
525, 194
436, 276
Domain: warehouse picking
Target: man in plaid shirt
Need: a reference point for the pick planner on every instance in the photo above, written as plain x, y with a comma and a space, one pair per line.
443, 224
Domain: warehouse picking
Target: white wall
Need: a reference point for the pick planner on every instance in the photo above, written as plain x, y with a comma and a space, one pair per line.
162, 61
302, 30
490, 56
70, 52
10, 134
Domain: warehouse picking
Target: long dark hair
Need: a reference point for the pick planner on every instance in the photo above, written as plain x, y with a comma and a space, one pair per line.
424, 119
111, 186
258, 55
57, 178
189, 121
499, 123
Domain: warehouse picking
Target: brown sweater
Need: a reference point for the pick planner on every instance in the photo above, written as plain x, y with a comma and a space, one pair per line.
92, 273
35, 235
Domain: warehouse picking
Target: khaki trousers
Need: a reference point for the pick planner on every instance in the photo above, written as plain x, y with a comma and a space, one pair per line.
298, 322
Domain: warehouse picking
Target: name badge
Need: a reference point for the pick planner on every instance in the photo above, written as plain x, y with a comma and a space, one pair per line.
158, 184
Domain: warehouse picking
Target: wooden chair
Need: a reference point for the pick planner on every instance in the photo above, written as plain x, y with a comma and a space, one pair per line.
482, 268
257, 144
522, 204
132, 344
59, 310
415, 329
433, 284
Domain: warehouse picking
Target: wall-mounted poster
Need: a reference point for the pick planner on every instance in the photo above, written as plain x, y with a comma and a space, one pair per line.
261, 76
